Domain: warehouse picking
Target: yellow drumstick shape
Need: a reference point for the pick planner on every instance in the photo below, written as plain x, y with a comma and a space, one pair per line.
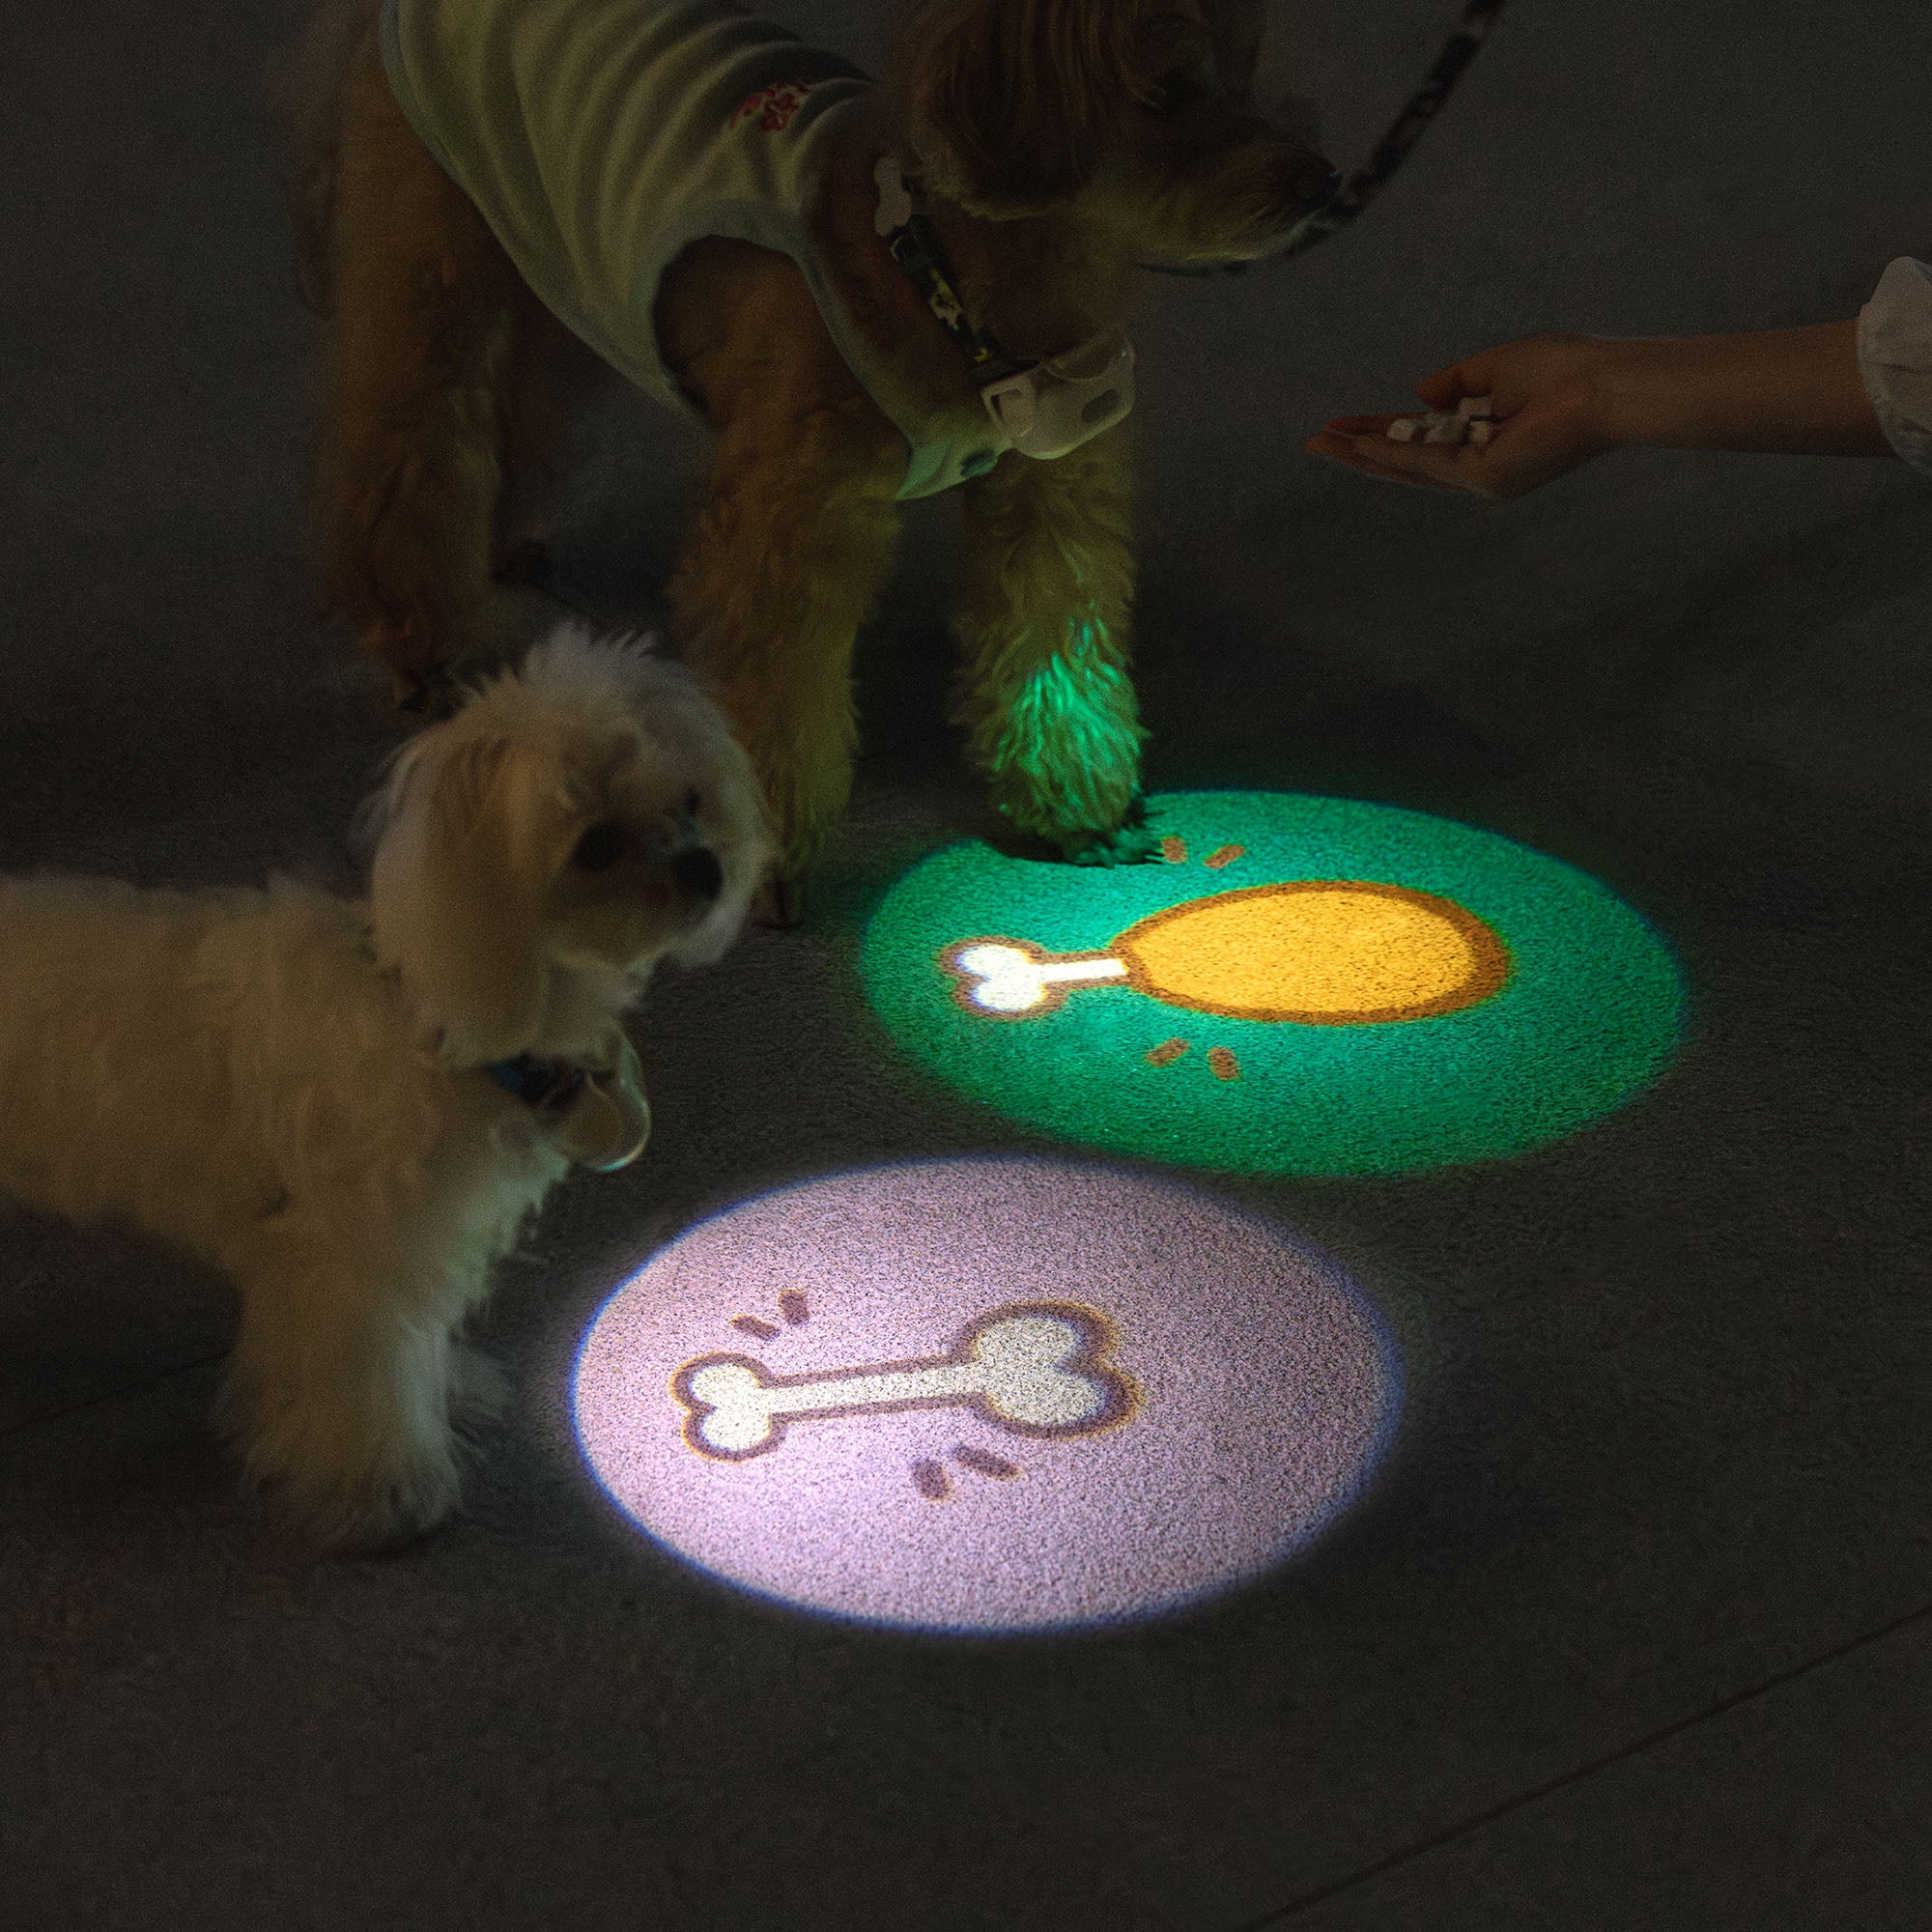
1316, 951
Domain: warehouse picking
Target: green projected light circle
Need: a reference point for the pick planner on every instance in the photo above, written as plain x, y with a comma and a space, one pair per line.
1303, 985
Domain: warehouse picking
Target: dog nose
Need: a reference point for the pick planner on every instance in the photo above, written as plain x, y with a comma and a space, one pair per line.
1315, 184
699, 872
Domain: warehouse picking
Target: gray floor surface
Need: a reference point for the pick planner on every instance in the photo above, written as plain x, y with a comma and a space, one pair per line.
1632, 1628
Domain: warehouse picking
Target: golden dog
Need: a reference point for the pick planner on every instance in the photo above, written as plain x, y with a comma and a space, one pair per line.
1036, 151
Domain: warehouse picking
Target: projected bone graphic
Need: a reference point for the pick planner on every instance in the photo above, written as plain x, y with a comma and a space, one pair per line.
986, 1394
1314, 951
1035, 1369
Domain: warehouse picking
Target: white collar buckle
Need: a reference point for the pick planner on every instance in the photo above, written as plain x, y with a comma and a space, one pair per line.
1052, 409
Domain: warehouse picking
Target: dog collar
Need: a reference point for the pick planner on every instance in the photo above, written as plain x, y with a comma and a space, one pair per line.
1045, 409
920, 256
601, 1119
547, 1086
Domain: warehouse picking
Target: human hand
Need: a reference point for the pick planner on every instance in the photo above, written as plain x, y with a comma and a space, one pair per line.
1552, 400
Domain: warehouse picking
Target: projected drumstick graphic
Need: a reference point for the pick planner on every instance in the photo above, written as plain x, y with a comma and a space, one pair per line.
1307, 986
1311, 952
1032, 1368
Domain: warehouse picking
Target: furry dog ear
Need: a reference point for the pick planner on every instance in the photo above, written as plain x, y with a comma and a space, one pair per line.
1009, 100
457, 894
731, 817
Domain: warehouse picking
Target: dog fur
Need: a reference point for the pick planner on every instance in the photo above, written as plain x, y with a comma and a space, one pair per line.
288, 1083
1059, 143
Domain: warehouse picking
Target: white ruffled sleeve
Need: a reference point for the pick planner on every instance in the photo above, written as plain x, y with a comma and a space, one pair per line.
1896, 358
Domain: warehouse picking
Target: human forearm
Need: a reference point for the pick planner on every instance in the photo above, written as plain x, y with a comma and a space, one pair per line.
1560, 400
1789, 392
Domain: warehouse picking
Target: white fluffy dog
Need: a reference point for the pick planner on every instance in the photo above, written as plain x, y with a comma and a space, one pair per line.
351, 1106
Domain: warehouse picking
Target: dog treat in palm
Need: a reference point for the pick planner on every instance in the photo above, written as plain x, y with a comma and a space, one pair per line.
1471, 420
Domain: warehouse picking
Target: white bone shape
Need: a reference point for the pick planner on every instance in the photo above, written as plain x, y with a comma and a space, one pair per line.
1009, 980
1032, 1368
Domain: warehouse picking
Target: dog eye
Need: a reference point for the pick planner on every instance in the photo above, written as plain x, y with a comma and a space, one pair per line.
1172, 93
599, 847
692, 801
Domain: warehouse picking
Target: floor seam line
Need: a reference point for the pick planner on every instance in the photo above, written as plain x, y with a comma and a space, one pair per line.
1282, 1914
111, 1395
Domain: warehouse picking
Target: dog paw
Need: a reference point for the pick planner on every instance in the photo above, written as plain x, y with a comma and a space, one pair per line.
380, 1534
779, 903
479, 1389
1131, 844
339, 1504
420, 683
381, 1519
520, 560
430, 695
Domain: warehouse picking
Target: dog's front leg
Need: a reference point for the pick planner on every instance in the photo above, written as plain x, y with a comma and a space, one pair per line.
780, 570
1047, 581
415, 387
339, 1392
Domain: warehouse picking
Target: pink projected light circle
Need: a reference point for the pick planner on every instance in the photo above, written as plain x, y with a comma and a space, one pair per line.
985, 1395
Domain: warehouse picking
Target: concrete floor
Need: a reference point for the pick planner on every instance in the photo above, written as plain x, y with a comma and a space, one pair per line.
1634, 1626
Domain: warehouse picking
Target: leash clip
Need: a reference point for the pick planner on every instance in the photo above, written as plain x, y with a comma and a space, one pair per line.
1050, 410
609, 1123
